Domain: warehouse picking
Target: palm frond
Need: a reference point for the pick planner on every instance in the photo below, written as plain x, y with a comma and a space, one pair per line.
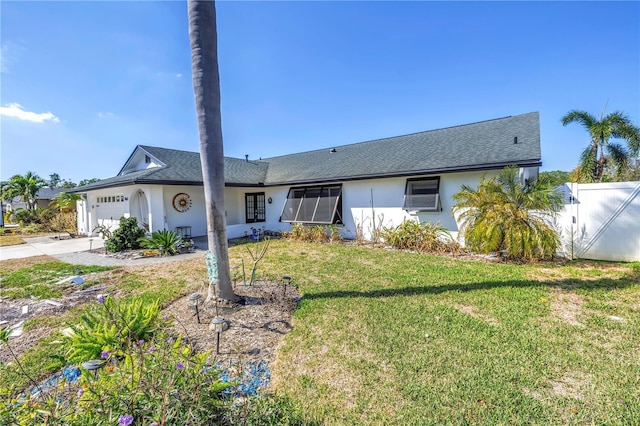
581, 117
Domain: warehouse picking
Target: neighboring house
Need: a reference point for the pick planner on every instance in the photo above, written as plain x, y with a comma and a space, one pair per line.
43, 198
385, 181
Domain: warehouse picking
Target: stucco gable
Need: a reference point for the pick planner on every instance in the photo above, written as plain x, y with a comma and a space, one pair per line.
140, 159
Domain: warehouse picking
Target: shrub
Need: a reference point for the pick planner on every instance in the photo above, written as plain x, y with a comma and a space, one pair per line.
126, 237
108, 326
314, 234
319, 234
158, 381
166, 242
38, 218
335, 234
505, 214
31, 229
421, 237
64, 222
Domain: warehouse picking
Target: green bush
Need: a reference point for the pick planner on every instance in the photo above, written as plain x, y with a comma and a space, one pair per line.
109, 326
166, 242
36, 219
31, 229
421, 237
126, 237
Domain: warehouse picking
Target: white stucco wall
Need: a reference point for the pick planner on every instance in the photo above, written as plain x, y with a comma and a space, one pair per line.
388, 197
194, 217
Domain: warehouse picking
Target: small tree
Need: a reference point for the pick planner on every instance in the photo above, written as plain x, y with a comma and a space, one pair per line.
505, 214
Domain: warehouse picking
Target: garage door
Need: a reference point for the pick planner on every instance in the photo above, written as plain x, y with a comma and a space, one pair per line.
109, 209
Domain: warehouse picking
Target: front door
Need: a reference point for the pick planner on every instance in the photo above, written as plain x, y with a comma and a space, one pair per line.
255, 207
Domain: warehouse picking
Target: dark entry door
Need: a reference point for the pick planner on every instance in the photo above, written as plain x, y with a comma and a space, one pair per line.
255, 207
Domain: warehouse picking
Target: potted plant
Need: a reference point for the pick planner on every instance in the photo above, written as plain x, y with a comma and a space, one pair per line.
186, 246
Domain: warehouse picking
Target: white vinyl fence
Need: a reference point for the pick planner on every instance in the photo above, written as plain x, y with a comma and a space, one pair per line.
601, 221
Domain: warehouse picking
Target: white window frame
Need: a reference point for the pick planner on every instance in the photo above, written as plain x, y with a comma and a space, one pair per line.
425, 199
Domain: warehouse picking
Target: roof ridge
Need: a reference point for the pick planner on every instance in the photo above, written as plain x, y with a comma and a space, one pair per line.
399, 136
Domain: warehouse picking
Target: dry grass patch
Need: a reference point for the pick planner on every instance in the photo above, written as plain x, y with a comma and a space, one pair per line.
566, 306
569, 386
11, 240
16, 264
581, 270
470, 310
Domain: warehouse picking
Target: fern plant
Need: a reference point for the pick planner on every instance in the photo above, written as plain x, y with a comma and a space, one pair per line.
110, 327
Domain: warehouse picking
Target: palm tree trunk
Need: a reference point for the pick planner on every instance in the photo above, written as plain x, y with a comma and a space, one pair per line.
206, 87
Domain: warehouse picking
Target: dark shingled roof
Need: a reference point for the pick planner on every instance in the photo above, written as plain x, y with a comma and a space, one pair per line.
477, 146
484, 145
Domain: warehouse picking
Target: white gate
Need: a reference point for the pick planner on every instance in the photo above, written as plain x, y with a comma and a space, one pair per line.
601, 221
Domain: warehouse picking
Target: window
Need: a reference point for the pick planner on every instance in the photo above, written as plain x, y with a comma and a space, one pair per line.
422, 195
147, 159
114, 199
313, 204
254, 207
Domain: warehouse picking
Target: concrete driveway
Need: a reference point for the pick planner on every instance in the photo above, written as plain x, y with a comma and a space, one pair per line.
76, 251
39, 246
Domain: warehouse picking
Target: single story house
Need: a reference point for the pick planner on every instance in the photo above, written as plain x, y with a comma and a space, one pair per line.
356, 186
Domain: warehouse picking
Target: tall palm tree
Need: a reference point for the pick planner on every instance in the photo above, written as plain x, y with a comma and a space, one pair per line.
26, 187
602, 152
504, 214
206, 86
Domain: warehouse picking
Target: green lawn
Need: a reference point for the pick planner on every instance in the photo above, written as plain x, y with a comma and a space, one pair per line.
385, 337
40, 280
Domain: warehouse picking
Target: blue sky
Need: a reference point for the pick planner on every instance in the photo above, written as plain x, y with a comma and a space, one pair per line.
82, 83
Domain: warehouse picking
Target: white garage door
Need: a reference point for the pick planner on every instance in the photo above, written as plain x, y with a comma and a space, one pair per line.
109, 209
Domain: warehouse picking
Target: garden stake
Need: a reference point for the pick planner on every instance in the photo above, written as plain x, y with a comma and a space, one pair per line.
194, 299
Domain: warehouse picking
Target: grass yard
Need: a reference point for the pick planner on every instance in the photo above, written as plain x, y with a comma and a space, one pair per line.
11, 240
387, 337
40, 280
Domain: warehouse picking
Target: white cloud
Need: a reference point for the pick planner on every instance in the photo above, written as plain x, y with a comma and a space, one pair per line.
16, 111
178, 75
106, 115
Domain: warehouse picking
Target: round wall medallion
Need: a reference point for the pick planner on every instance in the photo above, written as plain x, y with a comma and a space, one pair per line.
181, 202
